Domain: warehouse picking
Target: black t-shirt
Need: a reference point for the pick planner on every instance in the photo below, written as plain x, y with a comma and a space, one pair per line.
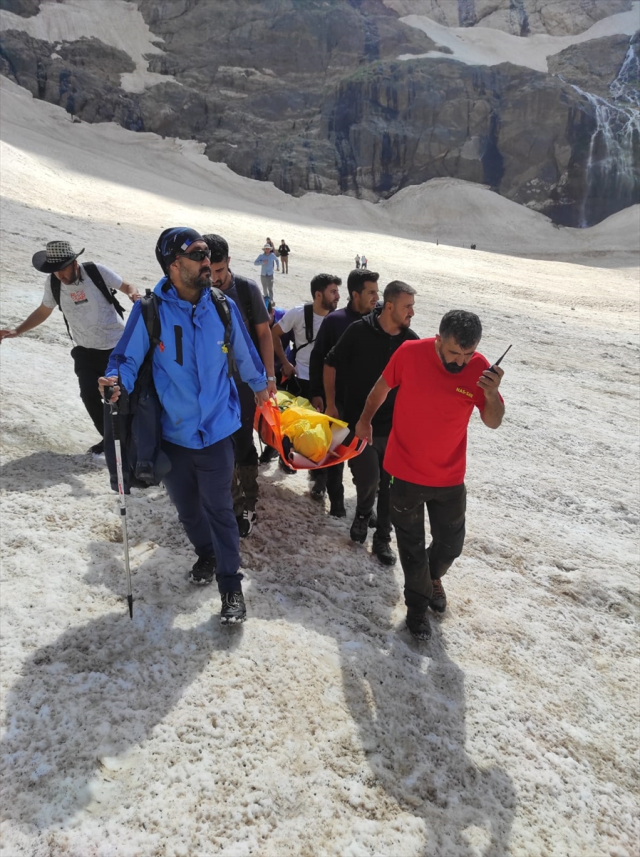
359, 357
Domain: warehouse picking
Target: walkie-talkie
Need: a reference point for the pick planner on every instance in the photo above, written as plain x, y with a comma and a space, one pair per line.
498, 362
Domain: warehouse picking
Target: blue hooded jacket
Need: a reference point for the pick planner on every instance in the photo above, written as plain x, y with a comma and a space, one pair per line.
200, 403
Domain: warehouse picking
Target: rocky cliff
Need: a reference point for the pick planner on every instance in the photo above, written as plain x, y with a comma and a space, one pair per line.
313, 95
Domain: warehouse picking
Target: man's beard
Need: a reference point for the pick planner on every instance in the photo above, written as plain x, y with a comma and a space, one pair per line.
202, 281
329, 305
453, 367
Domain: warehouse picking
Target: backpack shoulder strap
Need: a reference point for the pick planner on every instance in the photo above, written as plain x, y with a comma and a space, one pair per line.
244, 293
55, 291
151, 316
308, 331
222, 307
308, 322
109, 294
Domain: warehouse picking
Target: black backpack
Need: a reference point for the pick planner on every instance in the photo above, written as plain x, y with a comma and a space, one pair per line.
96, 277
143, 461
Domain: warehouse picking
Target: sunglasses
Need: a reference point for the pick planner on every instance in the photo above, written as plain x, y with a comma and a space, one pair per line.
195, 255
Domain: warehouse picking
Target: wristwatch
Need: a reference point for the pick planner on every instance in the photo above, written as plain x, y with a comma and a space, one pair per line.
271, 377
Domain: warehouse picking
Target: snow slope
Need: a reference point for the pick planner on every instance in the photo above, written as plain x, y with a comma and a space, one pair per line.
486, 46
319, 728
114, 22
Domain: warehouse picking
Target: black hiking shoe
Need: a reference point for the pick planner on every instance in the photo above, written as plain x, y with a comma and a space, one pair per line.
438, 600
418, 625
373, 521
203, 571
382, 549
97, 448
337, 509
233, 608
359, 528
318, 492
245, 523
267, 455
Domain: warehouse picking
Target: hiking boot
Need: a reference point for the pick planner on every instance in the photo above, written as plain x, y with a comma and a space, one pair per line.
318, 492
438, 600
203, 571
97, 448
373, 521
233, 608
245, 523
359, 528
267, 455
418, 625
382, 549
337, 509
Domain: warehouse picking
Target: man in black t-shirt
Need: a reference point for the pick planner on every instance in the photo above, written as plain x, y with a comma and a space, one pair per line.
248, 298
356, 362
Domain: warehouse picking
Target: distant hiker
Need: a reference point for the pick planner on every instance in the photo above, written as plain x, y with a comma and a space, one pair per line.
267, 259
363, 296
283, 253
270, 243
473, 246
363, 261
247, 297
439, 381
357, 262
351, 369
200, 403
84, 292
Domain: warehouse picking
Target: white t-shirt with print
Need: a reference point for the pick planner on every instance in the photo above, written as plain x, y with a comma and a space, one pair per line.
293, 320
93, 321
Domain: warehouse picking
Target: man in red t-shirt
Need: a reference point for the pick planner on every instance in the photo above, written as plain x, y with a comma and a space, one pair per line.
439, 382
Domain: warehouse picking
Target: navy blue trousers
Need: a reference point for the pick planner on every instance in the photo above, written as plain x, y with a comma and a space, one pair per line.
199, 485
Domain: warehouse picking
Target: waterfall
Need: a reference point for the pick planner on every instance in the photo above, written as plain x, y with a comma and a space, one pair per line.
612, 181
626, 86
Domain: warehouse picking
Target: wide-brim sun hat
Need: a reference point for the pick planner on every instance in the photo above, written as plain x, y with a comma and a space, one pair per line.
57, 256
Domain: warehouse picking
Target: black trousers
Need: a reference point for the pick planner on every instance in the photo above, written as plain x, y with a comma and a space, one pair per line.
446, 508
244, 485
372, 479
329, 478
90, 364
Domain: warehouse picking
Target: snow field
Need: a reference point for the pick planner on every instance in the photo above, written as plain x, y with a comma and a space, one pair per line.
320, 727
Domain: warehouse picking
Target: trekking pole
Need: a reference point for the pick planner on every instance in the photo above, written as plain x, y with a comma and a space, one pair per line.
115, 424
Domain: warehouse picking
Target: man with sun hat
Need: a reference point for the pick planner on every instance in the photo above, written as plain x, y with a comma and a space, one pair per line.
84, 292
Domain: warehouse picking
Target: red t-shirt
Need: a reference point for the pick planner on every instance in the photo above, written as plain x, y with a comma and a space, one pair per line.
428, 440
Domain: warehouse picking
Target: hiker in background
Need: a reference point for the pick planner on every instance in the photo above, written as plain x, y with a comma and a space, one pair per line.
246, 295
439, 381
358, 262
283, 252
363, 261
267, 259
200, 404
84, 292
362, 286
270, 243
352, 367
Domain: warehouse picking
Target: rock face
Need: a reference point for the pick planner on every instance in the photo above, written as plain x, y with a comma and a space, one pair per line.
309, 94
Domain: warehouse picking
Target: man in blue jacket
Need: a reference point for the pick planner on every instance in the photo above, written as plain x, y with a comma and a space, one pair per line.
200, 405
